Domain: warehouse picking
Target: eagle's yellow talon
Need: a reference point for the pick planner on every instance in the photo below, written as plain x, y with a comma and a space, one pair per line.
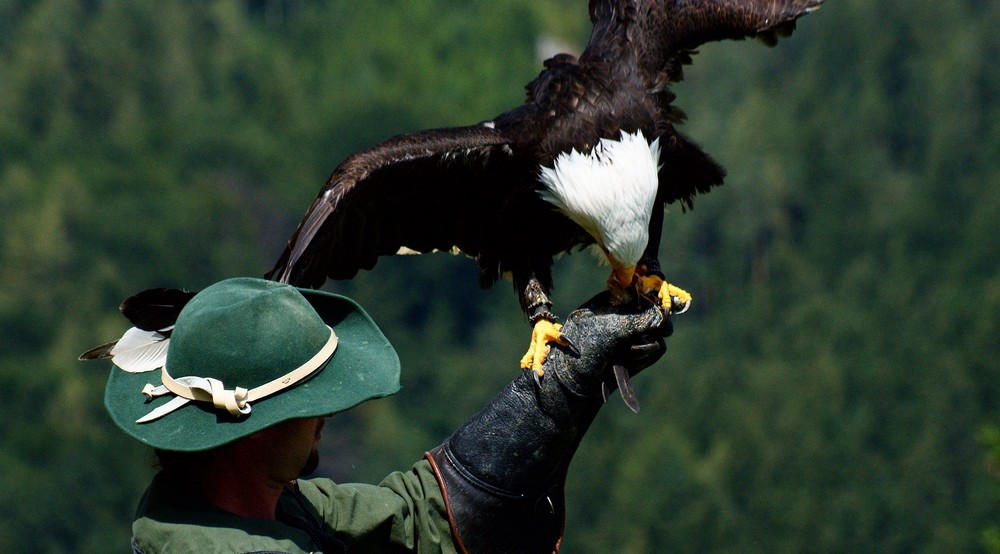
670, 295
542, 334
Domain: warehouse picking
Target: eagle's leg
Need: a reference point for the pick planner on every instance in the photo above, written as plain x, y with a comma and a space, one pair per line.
545, 329
673, 298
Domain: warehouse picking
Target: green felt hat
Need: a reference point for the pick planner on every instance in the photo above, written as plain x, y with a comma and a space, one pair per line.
246, 354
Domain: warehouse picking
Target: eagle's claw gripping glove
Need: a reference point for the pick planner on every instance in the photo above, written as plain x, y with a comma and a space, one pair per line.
503, 471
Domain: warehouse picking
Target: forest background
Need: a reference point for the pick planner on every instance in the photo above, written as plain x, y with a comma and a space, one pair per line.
833, 389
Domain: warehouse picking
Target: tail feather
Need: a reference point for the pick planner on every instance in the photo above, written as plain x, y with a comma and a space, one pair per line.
143, 347
155, 309
138, 351
98, 352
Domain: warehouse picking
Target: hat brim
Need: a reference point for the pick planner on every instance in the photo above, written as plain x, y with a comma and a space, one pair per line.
364, 366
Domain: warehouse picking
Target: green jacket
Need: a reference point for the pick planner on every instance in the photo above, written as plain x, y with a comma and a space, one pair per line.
405, 513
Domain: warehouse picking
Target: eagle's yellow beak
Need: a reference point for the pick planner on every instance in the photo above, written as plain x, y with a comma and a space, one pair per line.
621, 277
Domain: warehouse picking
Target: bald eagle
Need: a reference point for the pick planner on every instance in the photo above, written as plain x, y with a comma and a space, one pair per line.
590, 158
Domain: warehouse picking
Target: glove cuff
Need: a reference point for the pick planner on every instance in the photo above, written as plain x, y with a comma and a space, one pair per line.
486, 518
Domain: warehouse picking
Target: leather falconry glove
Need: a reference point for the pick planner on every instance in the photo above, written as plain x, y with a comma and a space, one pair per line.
503, 471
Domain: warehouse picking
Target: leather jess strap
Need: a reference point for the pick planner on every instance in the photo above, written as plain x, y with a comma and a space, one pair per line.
236, 401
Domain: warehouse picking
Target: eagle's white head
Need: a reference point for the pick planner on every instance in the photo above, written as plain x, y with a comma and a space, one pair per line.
610, 192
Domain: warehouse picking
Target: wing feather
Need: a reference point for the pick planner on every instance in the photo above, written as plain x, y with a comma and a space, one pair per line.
418, 191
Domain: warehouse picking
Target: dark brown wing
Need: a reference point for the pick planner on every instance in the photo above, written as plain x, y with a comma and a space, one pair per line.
657, 37
686, 24
420, 191
668, 32
649, 42
664, 32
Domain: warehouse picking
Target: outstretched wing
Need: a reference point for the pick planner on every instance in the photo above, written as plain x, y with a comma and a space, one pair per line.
659, 36
690, 23
664, 32
668, 32
418, 191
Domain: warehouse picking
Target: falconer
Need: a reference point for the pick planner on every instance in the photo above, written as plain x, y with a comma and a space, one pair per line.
254, 367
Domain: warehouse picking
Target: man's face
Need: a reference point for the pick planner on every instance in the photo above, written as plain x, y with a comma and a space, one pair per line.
312, 462
289, 448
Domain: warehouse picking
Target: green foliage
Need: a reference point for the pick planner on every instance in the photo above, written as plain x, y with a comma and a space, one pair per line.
989, 436
826, 392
